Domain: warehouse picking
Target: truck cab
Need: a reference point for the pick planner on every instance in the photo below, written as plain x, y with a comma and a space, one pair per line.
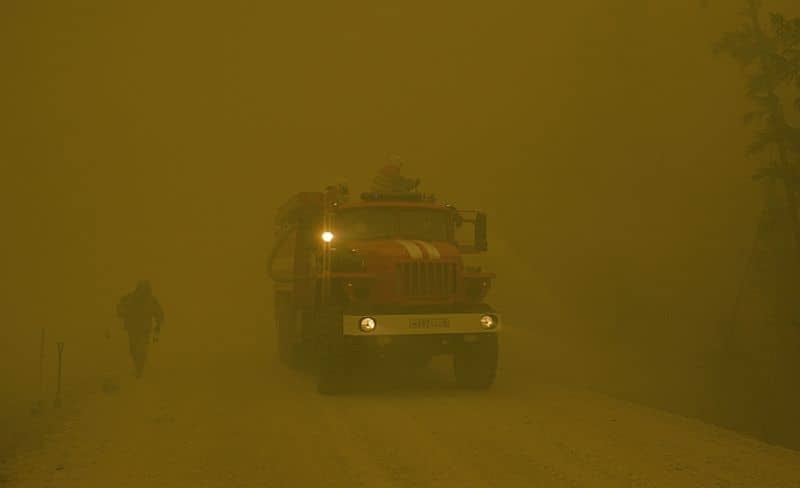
382, 276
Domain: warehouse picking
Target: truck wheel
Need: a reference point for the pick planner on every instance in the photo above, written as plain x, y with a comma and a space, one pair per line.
418, 361
475, 363
332, 374
288, 351
333, 360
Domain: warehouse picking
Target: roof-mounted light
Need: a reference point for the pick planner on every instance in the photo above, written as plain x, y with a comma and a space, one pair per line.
397, 196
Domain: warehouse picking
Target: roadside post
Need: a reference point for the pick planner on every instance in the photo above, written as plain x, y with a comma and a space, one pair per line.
57, 402
41, 366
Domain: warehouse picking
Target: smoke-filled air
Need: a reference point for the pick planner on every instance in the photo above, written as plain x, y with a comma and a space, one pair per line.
400, 244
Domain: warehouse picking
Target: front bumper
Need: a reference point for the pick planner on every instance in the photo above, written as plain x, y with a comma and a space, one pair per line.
420, 324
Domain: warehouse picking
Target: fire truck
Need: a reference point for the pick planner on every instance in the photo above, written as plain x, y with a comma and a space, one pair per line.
381, 276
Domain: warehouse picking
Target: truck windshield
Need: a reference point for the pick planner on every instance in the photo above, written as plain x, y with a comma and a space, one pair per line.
393, 223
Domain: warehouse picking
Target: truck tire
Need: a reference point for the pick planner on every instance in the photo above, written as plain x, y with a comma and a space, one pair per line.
418, 361
332, 358
288, 350
475, 363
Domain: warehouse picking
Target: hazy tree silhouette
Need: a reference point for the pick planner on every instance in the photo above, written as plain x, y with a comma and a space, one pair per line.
759, 351
771, 60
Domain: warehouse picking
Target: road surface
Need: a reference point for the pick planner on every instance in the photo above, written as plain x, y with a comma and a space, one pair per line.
245, 421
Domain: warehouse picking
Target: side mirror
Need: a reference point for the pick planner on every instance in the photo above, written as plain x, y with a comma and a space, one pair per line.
470, 231
481, 242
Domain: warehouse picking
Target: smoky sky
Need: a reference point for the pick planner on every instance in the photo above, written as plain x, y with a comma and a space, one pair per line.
157, 139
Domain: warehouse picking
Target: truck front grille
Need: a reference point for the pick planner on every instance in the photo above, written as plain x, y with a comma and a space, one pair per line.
425, 279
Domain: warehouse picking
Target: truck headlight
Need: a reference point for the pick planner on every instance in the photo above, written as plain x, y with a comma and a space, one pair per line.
367, 324
488, 321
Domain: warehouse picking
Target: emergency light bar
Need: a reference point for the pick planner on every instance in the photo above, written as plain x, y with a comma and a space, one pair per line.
397, 196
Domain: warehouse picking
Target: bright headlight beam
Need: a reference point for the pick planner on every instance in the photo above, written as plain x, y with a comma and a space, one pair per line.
327, 236
367, 324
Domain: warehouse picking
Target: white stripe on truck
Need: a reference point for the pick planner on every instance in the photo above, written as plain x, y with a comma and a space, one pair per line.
413, 250
433, 253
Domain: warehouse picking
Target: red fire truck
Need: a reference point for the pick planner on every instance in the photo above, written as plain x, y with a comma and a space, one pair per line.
381, 276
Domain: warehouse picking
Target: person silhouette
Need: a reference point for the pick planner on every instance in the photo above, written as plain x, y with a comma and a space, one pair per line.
138, 310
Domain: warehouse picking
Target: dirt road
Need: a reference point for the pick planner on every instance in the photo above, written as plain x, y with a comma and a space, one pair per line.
245, 421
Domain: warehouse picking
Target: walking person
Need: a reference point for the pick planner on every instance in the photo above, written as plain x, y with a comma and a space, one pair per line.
140, 311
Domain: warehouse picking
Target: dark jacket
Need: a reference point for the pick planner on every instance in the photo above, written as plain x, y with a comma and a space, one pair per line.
138, 310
